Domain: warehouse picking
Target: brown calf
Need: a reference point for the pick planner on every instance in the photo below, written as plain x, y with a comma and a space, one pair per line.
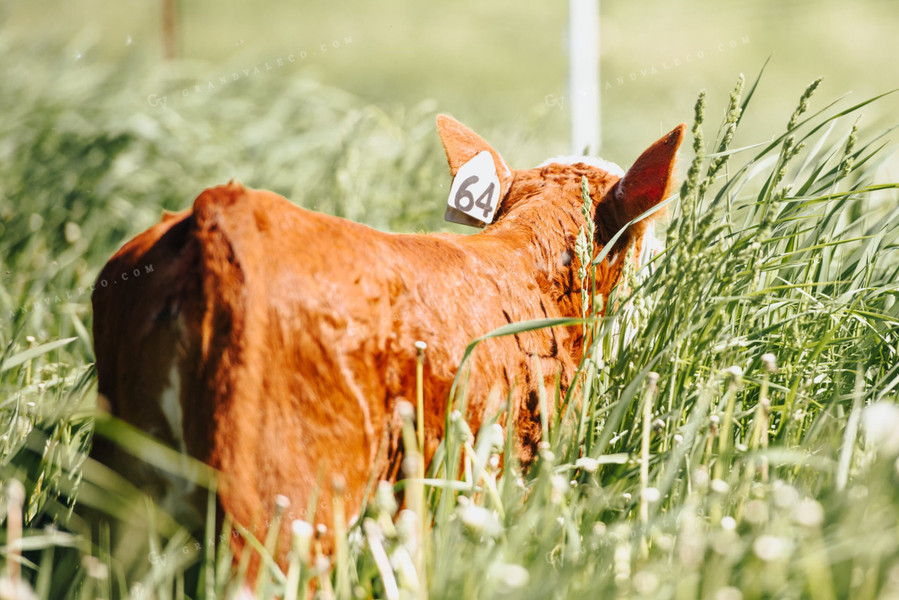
273, 343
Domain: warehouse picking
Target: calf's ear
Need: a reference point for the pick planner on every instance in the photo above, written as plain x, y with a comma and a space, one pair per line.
462, 144
648, 180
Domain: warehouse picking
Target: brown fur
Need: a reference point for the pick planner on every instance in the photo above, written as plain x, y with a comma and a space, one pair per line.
294, 332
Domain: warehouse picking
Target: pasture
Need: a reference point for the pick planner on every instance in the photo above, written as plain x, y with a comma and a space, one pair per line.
734, 430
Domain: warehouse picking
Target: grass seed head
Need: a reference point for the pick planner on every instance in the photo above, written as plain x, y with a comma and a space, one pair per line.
803, 103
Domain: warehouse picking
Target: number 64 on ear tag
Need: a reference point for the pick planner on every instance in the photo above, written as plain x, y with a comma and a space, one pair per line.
474, 196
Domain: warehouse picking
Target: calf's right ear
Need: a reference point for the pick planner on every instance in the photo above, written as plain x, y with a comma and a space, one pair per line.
648, 180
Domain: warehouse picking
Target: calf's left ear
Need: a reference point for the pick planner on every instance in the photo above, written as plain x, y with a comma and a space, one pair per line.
462, 144
648, 180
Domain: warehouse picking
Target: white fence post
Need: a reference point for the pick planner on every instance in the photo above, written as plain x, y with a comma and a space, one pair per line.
583, 76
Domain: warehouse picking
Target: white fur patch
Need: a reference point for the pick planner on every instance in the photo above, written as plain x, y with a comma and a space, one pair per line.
594, 161
651, 245
626, 321
170, 404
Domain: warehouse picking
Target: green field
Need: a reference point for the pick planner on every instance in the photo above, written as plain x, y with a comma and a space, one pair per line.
735, 431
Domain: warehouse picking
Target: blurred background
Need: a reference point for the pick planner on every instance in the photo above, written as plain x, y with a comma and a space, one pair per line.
500, 66
110, 112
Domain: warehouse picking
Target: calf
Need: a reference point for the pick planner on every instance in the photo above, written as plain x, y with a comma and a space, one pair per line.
274, 343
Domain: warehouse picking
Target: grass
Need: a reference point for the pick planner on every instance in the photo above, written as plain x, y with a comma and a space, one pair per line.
732, 433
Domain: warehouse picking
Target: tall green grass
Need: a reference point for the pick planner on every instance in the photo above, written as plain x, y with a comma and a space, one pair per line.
86, 162
733, 431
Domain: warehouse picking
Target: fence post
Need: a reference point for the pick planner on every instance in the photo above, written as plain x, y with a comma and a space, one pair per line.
583, 76
170, 29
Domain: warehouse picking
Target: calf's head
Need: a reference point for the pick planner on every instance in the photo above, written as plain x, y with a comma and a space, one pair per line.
545, 202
